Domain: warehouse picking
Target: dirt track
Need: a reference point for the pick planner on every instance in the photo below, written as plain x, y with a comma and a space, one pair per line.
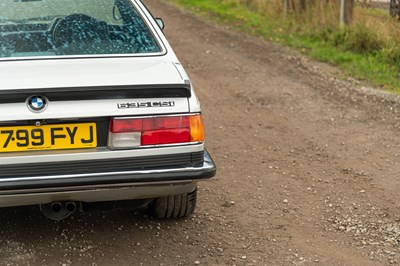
308, 170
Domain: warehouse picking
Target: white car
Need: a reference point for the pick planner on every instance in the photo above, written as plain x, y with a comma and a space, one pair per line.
95, 107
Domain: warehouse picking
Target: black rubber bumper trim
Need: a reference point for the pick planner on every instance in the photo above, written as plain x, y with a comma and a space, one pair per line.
99, 92
207, 170
101, 166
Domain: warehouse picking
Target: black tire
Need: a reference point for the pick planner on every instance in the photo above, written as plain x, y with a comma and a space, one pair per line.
174, 206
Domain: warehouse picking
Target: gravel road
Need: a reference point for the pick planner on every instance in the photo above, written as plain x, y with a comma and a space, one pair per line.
308, 171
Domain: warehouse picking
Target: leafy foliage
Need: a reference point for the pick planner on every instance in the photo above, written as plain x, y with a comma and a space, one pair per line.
369, 49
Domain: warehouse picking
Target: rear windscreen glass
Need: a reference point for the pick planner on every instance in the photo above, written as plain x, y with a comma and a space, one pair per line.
37, 28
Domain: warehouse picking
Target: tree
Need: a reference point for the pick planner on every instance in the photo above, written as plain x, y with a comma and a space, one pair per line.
346, 12
299, 5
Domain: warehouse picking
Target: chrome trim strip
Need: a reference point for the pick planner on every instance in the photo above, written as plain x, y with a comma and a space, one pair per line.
66, 57
101, 187
150, 26
153, 146
106, 194
92, 154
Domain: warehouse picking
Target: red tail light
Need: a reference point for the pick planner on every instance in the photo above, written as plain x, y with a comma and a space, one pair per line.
131, 132
177, 135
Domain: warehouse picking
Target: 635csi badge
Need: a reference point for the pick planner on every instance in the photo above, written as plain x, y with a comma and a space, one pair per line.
146, 104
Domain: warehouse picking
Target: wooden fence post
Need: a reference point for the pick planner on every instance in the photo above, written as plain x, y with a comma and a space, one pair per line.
285, 7
346, 12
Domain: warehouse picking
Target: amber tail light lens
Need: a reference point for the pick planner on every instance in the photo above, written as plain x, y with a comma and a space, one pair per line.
161, 130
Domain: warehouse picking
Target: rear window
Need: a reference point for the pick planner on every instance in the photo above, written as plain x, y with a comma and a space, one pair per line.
37, 28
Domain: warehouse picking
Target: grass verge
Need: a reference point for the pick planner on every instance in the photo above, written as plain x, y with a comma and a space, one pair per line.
358, 52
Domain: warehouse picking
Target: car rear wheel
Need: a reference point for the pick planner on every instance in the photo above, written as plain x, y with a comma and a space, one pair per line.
174, 206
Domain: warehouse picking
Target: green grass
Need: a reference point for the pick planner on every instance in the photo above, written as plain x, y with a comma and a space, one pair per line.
360, 58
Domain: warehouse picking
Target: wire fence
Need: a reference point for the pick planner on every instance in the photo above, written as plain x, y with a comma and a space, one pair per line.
393, 6
346, 7
382, 4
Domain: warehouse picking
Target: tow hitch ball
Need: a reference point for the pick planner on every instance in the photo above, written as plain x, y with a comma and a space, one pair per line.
59, 210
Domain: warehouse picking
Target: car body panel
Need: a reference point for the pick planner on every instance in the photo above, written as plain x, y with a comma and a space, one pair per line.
90, 194
140, 184
60, 73
97, 89
94, 108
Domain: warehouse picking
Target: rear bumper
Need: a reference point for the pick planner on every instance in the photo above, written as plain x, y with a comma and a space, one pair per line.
105, 186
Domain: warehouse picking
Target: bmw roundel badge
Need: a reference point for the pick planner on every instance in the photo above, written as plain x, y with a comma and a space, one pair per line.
37, 103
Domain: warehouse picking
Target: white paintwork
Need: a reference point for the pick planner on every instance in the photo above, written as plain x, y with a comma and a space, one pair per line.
88, 71
91, 71
194, 103
32, 74
94, 108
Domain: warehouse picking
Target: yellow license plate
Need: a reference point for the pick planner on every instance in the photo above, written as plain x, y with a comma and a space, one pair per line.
48, 137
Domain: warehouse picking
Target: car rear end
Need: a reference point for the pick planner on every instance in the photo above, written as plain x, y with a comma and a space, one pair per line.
87, 128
